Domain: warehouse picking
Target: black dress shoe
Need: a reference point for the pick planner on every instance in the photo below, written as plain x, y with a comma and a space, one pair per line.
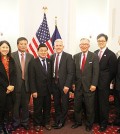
55, 124
1, 131
102, 128
118, 131
48, 127
76, 125
60, 125
13, 128
37, 128
88, 128
5, 130
26, 127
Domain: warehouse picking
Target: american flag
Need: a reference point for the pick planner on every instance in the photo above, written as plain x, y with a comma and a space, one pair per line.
42, 36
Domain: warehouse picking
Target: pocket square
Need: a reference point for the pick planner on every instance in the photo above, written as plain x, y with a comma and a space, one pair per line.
104, 55
90, 62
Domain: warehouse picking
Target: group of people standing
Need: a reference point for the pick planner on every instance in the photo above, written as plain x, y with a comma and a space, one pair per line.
87, 74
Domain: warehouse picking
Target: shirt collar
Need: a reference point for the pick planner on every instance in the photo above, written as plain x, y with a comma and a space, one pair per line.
103, 50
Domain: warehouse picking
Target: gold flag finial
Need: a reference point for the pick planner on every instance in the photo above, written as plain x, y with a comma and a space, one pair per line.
45, 9
55, 20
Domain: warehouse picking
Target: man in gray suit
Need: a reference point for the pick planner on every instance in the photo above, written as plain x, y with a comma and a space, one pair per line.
22, 60
63, 73
86, 79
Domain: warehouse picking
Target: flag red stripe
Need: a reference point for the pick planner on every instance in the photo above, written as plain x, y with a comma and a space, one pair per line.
49, 47
31, 48
35, 43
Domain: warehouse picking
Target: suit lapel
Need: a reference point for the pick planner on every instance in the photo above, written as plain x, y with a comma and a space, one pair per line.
17, 59
40, 65
11, 66
2, 70
104, 55
48, 65
26, 61
62, 59
88, 58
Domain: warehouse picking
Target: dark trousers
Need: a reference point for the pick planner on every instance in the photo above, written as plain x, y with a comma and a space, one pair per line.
61, 102
42, 106
88, 99
21, 107
103, 106
117, 104
6, 107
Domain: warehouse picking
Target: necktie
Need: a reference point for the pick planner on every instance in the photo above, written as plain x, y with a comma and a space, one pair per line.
44, 66
23, 65
83, 62
100, 54
56, 68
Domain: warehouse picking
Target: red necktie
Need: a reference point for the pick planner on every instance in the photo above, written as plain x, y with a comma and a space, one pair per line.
83, 62
23, 65
56, 68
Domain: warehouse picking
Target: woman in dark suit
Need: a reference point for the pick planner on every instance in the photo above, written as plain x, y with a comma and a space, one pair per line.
7, 83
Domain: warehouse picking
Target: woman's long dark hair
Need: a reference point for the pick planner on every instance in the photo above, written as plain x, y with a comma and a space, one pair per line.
6, 42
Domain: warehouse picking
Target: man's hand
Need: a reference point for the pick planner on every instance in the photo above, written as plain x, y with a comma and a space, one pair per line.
35, 95
73, 87
92, 88
10, 88
8, 91
65, 89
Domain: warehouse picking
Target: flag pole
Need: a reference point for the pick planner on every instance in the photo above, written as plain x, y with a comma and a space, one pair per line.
45, 9
55, 20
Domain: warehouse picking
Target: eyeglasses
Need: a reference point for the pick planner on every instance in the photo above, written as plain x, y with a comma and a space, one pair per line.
85, 44
101, 41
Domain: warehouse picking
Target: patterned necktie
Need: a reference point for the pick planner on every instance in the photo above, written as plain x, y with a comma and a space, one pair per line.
23, 65
83, 62
56, 67
44, 66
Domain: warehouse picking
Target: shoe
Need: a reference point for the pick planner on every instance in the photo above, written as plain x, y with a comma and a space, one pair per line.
88, 128
116, 123
102, 128
118, 131
76, 125
37, 128
1, 131
26, 127
14, 127
60, 125
48, 127
5, 130
55, 124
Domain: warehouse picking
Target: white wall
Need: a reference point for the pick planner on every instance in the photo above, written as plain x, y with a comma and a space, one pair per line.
76, 19
114, 24
9, 21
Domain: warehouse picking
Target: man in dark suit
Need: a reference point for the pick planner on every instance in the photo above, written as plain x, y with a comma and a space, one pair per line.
117, 95
40, 78
62, 79
86, 79
108, 66
22, 60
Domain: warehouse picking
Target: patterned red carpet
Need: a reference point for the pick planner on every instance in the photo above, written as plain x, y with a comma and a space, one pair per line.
67, 128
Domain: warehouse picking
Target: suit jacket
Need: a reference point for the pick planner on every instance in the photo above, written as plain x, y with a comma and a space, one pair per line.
4, 81
117, 84
29, 57
90, 74
66, 70
108, 68
40, 80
